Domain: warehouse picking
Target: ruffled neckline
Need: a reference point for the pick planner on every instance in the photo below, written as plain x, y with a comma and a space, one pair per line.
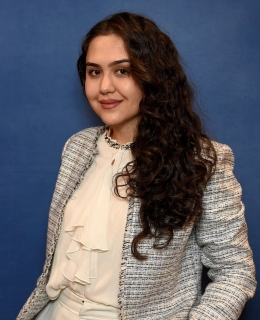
114, 144
89, 222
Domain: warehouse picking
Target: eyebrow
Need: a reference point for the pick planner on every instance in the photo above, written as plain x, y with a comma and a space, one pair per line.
111, 64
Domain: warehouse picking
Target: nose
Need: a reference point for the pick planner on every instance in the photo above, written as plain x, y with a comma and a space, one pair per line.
106, 84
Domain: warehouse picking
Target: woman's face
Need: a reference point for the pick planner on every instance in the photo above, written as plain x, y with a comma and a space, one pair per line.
111, 91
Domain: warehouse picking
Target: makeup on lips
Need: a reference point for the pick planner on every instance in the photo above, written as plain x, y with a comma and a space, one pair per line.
109, 103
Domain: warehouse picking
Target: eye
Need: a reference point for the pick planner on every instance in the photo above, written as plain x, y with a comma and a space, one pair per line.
94, 72
122, 72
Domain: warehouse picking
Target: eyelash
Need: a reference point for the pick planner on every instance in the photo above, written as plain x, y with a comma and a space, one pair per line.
120, 72
93, 73
125, 72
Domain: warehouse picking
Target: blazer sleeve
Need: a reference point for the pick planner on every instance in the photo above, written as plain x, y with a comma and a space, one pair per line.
222, 236
65, 147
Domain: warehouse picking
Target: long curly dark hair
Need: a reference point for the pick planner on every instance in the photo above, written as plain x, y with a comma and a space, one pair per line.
173, 157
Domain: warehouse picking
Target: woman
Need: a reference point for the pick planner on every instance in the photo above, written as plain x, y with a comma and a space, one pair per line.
143, 203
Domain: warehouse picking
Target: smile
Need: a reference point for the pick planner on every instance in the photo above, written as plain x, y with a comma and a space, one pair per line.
110, 103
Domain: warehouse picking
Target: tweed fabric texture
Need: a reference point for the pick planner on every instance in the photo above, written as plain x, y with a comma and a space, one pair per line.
168, 284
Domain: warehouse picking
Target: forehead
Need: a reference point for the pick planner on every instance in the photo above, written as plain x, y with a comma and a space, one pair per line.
106, 48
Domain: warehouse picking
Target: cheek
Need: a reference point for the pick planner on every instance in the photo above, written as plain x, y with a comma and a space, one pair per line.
89, 90
138, 95
133, 91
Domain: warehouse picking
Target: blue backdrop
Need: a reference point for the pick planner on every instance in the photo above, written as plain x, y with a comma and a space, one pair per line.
42, 104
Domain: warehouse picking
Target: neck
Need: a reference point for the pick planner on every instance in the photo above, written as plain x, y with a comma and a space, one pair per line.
122, 135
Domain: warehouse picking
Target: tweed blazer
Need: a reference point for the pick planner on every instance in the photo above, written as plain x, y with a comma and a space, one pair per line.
167, 285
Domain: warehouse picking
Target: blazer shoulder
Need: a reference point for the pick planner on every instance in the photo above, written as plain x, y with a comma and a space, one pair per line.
84, 136
225, 156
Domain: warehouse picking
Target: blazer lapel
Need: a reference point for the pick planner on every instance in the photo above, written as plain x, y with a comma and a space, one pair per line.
78, 154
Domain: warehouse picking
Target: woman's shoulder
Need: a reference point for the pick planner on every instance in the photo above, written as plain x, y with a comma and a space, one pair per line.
87, 133
224, 153
221, 148
83, 137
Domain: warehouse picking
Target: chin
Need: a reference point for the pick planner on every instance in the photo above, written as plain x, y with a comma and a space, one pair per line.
110, 122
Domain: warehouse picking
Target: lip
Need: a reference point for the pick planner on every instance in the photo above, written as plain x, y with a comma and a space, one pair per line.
109, 103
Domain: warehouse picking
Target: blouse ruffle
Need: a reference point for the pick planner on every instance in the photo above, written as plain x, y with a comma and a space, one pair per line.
88, 226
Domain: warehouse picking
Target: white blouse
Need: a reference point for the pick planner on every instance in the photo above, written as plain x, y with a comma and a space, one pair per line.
88, 253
